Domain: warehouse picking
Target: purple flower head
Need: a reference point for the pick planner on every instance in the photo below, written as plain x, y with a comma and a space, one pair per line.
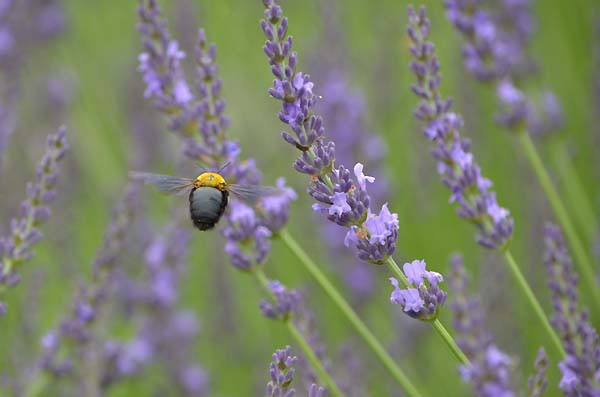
248, 241
456, 164
423, 298
581, 366
376, 240
490, 369
16, 248
276, 208
282, 372
286, 302
340, 194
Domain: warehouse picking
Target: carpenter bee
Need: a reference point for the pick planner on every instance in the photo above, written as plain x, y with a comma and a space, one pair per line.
208, 193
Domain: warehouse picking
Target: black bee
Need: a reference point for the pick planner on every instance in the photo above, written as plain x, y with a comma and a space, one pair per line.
209, 194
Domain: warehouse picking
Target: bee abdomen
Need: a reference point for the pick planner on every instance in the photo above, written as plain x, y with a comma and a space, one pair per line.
207, 205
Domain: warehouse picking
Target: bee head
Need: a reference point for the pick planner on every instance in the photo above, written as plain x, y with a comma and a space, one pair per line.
211, 179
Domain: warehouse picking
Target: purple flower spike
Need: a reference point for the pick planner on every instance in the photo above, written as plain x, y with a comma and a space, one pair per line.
496, 36
456, 165
282, 372
340, 192
537, 382
16, 248
286, 302
581, 366
425, 299
489, 374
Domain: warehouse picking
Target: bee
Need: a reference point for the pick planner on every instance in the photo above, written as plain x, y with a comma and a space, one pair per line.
208, 193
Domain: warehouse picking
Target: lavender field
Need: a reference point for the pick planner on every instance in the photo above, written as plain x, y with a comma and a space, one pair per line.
299, 198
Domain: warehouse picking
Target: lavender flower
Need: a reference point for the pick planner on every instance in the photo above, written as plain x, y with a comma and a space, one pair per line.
495, 50
422, 301
341, 196
66, 345
197, 116
16, 248
581, 366
489, 374
282, 373
456, 164
286, 302
537, 382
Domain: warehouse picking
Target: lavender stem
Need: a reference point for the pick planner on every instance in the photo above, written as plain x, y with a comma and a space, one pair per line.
344, 307
561, 213
537, 308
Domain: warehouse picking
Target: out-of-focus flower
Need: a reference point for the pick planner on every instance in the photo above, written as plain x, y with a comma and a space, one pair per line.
65, 348
490, 369
456, 164
495, 50
581, 366
537, 382
286, 302
16, 248
424, 299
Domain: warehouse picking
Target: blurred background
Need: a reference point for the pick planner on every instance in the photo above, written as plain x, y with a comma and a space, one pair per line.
74, 64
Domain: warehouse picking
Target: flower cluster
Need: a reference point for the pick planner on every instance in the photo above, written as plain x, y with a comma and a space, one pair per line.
282, 373
419, 300
197, 116
490, 369
74, 333
495, 50
581, 366
538, 382
341, 194
16, 248
286, 302
456, 164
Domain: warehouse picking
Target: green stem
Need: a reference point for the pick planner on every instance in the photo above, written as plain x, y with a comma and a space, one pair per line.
537, 308
439, 327
585, 265
350, 314
304, 346
580, 204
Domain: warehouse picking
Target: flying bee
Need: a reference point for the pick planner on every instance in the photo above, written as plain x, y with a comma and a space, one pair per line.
208, 193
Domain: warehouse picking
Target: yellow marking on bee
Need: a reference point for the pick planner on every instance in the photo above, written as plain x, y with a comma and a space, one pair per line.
211, 179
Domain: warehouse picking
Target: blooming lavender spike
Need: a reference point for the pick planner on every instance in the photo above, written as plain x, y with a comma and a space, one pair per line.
424, 299
282, 372
489, 374
340, 193
580, 339
456, 164
197, 116
537, 382
16, 248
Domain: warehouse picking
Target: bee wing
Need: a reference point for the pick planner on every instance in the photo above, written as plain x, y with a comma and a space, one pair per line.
251, 193
164, 183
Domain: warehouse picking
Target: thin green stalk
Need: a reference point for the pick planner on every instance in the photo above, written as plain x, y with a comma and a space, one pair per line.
350, 314
537, 308
439, 327
581, 207
581, 257
302, 343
